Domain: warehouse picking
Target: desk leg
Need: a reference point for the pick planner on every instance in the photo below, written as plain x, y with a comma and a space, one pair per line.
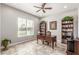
47, 43
55, 43
37, 40
52, 44
43, 42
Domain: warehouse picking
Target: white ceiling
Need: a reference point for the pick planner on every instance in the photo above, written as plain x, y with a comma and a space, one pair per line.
57, 8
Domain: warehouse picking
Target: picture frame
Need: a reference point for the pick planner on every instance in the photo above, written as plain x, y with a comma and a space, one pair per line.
53, 25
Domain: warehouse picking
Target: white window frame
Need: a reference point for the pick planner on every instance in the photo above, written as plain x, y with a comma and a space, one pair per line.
29, 28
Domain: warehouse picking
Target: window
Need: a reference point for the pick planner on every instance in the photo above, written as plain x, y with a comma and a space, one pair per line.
21, 27
25, 27
30, 27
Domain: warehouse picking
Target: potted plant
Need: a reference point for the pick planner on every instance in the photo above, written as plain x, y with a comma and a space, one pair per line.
5, 43
67, 18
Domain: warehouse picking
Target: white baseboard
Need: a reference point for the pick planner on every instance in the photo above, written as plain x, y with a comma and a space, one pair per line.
13, 44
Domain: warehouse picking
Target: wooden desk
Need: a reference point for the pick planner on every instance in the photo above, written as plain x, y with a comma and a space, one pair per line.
49, 39
75, 48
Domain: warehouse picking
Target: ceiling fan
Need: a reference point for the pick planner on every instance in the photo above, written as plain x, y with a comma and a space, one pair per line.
43, 8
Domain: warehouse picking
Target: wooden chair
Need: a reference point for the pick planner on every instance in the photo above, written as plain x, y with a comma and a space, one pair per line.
51, 40
41, 37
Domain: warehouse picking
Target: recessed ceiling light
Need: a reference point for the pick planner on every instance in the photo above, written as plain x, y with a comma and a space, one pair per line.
65, 6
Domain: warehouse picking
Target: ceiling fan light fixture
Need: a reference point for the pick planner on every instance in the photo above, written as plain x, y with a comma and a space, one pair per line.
65, 6
43, 8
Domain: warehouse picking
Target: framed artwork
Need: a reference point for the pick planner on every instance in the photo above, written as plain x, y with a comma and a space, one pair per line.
53, 25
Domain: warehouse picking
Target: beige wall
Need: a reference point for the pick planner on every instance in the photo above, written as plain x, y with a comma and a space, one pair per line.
78, 22
9, 24
0, 25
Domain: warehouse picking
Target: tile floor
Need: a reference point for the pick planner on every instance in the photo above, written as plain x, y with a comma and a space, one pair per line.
32, 48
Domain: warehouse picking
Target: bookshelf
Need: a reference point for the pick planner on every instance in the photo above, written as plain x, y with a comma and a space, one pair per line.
67, 30
43, 28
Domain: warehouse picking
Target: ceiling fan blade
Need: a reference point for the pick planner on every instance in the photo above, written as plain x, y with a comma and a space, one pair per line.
38, 10
44, 11
37, 7
43, 5
48, 8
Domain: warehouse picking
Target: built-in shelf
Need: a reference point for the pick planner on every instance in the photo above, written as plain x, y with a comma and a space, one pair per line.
67, 30
43, 28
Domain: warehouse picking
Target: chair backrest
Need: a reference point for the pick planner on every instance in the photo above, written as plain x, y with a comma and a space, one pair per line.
48, 33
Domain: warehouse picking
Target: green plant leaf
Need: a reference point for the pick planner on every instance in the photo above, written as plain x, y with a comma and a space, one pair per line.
68, 18
5, 43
